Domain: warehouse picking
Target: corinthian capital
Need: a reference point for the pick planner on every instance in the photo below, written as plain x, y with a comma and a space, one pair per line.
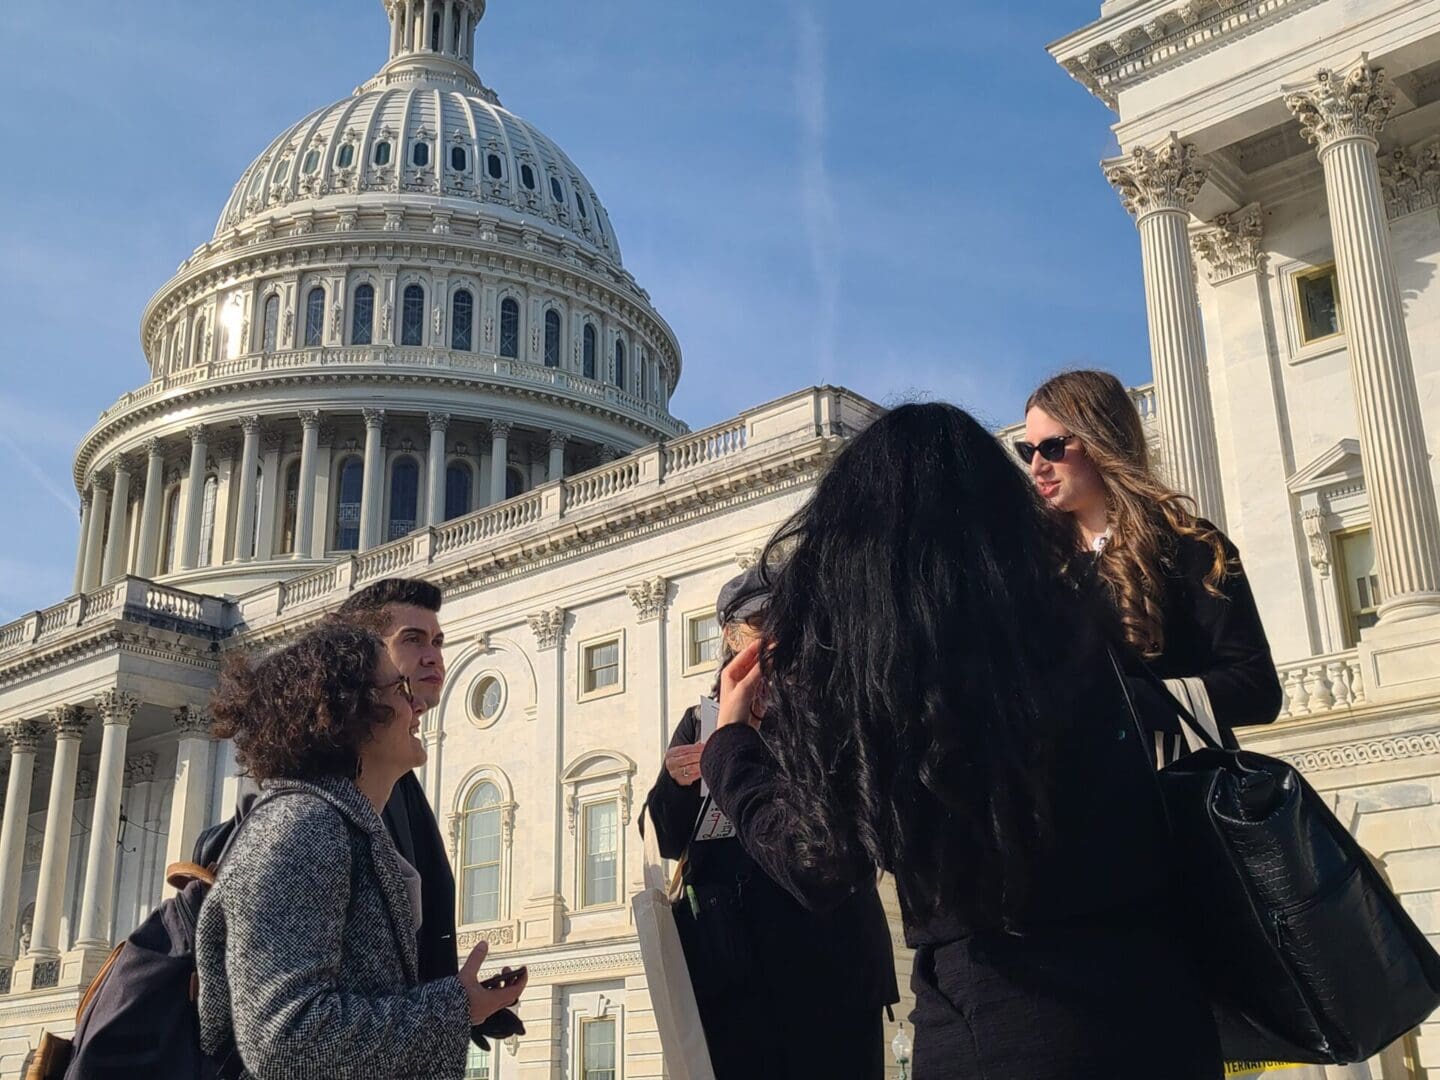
118, 707
1165, 177
548, 627
1347, 106
1231, 245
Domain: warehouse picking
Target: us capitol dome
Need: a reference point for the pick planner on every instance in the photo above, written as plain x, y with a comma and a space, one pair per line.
413, 306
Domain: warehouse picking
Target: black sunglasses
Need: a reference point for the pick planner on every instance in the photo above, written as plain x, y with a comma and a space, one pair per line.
1051, 449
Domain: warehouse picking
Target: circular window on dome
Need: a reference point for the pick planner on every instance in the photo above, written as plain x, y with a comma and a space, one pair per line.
487, 699
556, 191
346, 157
527, 177
382, 153
312, 161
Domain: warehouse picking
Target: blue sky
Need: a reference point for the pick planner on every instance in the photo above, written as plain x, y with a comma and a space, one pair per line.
900, 199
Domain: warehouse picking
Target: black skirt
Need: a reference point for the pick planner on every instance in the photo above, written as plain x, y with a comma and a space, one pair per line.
1073, 1002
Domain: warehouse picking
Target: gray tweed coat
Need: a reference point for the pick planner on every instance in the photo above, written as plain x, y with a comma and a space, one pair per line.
306, 950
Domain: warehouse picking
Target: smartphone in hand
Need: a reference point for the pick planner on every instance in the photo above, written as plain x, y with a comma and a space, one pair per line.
504, 979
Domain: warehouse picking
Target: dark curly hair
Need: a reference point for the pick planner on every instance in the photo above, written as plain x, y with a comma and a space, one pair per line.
916, 693
366, 608
303, 712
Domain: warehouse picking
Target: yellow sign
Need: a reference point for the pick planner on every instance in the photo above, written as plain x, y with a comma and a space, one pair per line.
1249, 1069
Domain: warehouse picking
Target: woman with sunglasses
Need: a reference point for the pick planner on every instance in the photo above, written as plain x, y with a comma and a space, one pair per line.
939, 704
1184, 604
306, 945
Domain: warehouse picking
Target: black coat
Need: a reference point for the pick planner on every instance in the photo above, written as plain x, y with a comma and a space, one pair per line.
765, 968
1089, 978
1219, 639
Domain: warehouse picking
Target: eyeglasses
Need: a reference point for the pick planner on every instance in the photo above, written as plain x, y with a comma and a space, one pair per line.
1051, 449
406, 691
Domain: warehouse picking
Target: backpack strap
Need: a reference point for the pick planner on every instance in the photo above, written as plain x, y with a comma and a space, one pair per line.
98, 981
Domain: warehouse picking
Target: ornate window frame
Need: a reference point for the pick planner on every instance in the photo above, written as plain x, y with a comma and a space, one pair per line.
503, 930
595, 777
472, 711
1331, 497
1287, 278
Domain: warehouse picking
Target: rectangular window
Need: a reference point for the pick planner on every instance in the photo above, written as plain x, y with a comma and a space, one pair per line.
481, 870
602, 665
1359, 580
600, 857
702, 641
597, 1049
1318, 299
480, 1065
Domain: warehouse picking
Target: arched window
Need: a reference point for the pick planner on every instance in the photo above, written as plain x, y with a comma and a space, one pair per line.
435, 32
457, 490
480, 856
292, 507
346, 157
270, 337
620, 363
199, 350
514, 483
587, 356
170, 561
404, 497
347, 504
412, 320
509, 328
494, 166
207, 520
642, 372
382, 152
259, 501
462, 320
362, 316
420, 155
552, 338
315, 317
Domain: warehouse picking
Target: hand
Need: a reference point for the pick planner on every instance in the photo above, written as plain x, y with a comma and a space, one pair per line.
486, 1003
683, 763
741, 685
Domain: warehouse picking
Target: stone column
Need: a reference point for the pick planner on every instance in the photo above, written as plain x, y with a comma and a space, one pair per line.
435, 468
95, 541
194, 499
305, 497
92, 940
190, 802
543, 909
425, 36
245, 508
1342, 115
395, 25
41, 967
117, 544
558, 439
499, 456
270, 495
24, 738
152, 506
1157, 186
447, 32
652, 600
372, 496
80, 546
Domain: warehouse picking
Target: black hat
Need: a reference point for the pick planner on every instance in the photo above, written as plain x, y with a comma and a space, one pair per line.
742, 597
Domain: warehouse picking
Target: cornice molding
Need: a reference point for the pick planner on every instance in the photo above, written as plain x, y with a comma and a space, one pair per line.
1367, 752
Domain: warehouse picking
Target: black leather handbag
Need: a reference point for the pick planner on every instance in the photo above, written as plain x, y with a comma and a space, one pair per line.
1307, 953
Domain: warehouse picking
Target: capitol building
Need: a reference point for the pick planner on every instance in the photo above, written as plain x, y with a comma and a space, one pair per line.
411, 348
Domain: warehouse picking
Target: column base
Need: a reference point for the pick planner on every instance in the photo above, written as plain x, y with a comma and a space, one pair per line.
1400, 658
35, 973
80, 965
542, 920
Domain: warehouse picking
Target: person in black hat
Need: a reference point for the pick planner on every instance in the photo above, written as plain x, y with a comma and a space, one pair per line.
784, 993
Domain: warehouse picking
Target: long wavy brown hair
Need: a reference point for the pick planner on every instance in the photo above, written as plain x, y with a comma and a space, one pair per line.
1146, 515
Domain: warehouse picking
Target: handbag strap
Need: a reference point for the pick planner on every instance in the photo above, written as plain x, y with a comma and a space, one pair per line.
1187, 718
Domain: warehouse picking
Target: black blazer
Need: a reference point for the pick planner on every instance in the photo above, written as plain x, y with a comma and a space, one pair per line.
844, 952
1219, 639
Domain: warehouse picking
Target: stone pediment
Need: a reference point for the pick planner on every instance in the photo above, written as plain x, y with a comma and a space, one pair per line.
1337, 469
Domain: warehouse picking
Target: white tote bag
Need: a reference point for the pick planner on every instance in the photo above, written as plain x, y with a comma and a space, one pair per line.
677, 1016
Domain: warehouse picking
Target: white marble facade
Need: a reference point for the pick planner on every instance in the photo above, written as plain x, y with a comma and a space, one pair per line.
508, 436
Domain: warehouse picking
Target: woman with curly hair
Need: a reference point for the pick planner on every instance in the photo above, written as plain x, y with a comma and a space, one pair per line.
939, 704
306, 945
1184, 604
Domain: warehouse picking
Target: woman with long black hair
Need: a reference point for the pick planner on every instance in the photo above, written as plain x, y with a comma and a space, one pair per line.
940, 704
